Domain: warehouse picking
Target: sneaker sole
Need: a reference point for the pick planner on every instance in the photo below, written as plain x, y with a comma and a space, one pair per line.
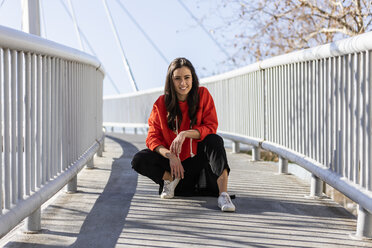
228, 210
166, 197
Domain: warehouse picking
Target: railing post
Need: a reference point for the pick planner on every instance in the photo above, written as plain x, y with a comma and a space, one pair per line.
33, 222
316, 187
235, 147
71, 186
283, 165
99, 151
364, 224
256, 154
90, 163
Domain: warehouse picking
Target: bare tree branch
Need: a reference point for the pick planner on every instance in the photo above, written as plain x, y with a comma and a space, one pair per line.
257, 29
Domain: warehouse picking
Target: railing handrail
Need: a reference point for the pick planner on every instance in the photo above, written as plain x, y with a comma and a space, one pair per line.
21, 41
350, 45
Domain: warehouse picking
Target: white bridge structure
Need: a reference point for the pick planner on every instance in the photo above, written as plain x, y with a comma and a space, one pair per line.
311, 107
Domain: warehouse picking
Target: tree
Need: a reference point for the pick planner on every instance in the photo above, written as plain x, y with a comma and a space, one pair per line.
258, 29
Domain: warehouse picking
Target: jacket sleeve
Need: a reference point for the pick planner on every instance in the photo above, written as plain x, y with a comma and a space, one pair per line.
155, 136
209, 122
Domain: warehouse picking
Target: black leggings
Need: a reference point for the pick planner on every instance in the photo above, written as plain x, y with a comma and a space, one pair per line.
201, 171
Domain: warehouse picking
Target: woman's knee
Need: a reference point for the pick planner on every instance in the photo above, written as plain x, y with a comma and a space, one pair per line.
139, 160
214, 142
214, 139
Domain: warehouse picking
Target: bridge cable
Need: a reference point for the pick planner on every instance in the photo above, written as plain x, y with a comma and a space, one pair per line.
124, 59
204, 29
72, 13
1, 5
91, 48
143, 32
42, 20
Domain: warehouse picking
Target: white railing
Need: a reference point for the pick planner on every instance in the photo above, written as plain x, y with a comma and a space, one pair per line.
311, 107
50, 122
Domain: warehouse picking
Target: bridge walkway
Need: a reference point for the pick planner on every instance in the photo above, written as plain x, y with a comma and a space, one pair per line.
114, 207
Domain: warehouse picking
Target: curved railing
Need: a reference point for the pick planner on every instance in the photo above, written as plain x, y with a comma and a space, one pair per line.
312, 107
50, 122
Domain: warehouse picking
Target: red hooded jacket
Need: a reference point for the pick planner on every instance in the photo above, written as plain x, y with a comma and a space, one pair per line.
160, 134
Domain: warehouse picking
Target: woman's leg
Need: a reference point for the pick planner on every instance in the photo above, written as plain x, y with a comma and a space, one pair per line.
152, 165
213, 150
222, 181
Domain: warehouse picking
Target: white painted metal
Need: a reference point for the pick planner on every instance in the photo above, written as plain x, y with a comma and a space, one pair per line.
321, 120
51, 107
283, 165
31, 17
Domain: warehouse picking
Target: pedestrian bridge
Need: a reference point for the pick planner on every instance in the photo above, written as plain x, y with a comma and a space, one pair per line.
311, 108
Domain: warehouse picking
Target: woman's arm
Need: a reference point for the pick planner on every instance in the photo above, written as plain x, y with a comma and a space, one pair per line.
174, 162
178, 141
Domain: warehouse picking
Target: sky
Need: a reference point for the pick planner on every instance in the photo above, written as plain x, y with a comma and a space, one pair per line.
168, 25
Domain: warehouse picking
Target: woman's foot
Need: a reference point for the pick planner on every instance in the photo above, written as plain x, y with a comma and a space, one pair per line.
225, 203
168, 188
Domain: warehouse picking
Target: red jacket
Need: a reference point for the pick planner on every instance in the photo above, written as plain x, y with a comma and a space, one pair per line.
160, 134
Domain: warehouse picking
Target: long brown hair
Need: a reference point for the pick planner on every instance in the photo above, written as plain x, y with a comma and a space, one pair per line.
171, 100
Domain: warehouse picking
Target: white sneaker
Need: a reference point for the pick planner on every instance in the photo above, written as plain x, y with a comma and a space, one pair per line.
168, 188
225, 203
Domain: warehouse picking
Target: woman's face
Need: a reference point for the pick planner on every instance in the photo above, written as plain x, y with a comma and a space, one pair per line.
182, 81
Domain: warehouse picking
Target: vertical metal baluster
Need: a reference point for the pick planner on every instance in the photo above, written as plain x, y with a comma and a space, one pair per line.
7, 141
368, 69
362, 119
356, 119
27, 124
13, 136
35, 122
351, 117
2, 166
335, 113
340, 118
328, 136
53, 113
44, 129
20, 147
345, 125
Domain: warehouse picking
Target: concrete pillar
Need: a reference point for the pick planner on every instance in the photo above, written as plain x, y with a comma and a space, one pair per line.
283, 165
33, 222
71, 186
123, 129
235, 147
256, 154
316, 186
364, 224
135, 130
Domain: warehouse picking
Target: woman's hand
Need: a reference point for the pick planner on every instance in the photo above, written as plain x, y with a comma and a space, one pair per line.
176, 145
176, 166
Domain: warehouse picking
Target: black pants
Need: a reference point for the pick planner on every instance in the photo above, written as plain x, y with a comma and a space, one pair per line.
201, 171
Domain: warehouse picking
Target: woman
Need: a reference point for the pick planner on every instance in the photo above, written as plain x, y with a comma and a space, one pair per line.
185, 155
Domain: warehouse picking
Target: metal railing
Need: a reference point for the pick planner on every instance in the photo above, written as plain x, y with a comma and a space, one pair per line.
50, 122
311, 107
